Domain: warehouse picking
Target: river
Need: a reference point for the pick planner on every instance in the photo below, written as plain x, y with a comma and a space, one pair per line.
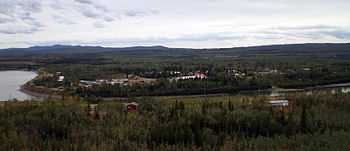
10, 84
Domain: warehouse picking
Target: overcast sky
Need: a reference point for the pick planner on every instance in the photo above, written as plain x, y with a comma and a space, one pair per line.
173, 23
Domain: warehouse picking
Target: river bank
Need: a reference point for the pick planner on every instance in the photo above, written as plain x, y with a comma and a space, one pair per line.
42, 92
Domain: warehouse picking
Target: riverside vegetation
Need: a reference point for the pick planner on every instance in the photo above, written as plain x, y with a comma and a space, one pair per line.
241, 123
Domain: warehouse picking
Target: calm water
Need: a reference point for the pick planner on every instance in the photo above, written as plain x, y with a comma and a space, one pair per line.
10, 83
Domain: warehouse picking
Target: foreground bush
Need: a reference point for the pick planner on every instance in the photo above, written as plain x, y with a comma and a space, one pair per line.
318, 122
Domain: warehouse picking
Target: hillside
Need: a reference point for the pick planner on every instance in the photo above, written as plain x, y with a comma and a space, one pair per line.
323, 49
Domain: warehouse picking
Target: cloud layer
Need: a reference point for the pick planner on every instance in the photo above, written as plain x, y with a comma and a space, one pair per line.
16, 17
181, 23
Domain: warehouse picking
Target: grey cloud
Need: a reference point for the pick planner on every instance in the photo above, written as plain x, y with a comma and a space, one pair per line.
26, 28
57, 4
8, 5
95, 10
209, 36
91, 13
62, 20
87, 8
15, 8
101, 13
99, 25
21, 30
133, 13
101, 8
164, 40
93, 5
340, 34
84, 1
5, 19
265, 34
309, 32
146, 41
98, 10
16, 16
108, 19
307, 28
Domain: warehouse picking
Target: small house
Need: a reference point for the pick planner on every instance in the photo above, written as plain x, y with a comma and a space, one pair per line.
60, 78
93, 107
87, 84
200, 75
279, 103
119, 82
307, 69
131, 107
92, 110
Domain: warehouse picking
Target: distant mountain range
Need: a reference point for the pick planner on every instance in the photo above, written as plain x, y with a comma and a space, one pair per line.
318, 49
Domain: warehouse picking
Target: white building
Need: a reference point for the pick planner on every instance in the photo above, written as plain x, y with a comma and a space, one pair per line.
197, 75
279, 103
87, 84
60, 78
119, 81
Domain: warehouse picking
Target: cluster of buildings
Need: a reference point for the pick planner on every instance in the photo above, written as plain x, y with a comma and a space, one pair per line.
87, 84
120, 82
139, 80
232, 72
58, 76
174, 72
134, 80
268, 71
191, 76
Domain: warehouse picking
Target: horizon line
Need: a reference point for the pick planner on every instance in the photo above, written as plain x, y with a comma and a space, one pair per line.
164, 46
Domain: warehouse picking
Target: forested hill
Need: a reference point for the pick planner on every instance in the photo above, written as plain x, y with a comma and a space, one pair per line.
66, 49
319, 49
325, 49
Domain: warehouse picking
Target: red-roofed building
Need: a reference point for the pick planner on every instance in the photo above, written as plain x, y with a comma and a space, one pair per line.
200, 75
131, 107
